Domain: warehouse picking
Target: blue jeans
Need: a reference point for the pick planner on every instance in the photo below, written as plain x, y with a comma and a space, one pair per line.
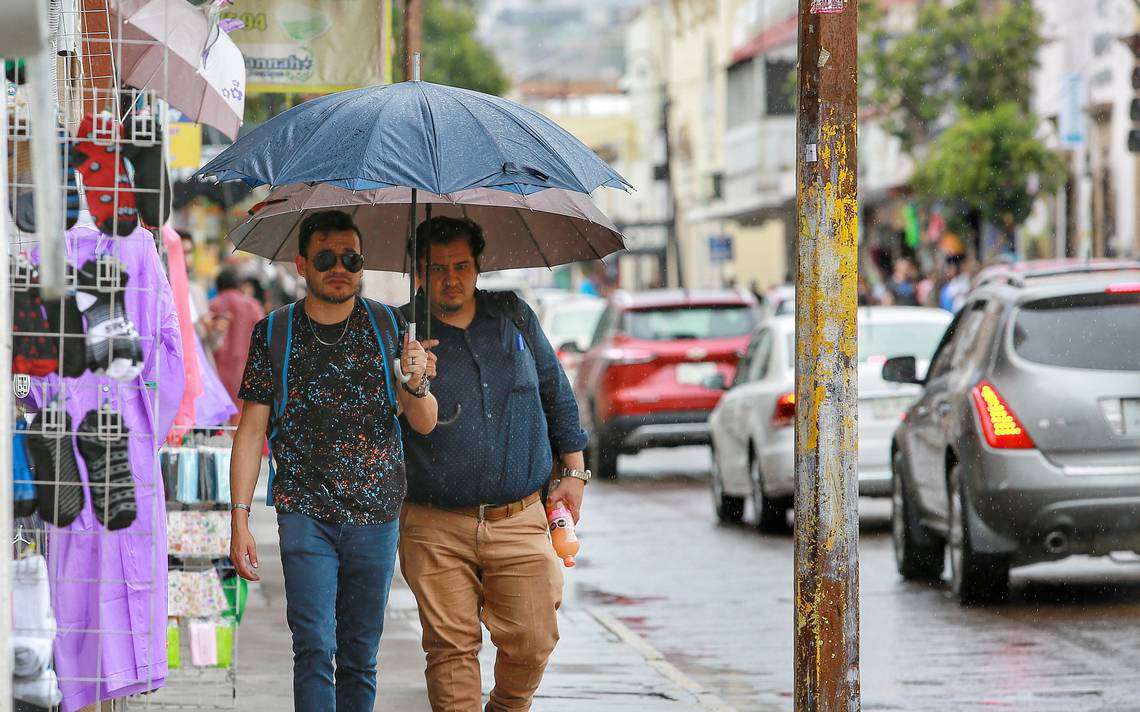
337, 579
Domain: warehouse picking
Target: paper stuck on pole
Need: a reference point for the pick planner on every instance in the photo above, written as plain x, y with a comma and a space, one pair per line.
827, 7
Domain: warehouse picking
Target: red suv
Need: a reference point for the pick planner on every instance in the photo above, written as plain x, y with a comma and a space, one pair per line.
656, 368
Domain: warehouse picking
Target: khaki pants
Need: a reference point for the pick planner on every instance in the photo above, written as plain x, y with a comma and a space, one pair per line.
504, 573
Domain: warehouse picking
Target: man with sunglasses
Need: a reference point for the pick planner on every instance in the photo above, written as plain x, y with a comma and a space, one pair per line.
320, 381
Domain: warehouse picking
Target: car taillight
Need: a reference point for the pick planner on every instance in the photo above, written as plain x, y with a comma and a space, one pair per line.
1125, 288
628, 357
785, 414
1000, 426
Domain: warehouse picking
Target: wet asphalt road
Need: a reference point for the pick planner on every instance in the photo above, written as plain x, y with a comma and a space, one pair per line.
717, 601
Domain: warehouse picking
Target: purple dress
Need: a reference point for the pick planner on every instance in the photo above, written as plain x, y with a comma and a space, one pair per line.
109, 588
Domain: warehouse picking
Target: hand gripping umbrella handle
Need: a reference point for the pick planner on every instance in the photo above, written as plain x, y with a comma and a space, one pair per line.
400, 375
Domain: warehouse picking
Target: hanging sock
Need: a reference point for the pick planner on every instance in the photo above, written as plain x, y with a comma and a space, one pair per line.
34, 351
104, 449
98, 159
59, 490
25, 202
153, 192
112, 340
23, 481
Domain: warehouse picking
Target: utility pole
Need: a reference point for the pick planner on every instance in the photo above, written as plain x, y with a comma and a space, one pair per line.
674, 272
826, 500
413, 33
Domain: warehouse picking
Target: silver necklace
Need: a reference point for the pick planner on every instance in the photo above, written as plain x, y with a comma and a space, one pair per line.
318, 338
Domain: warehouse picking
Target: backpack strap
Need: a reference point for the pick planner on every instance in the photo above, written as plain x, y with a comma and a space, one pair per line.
508, 304
389, 341
279, 333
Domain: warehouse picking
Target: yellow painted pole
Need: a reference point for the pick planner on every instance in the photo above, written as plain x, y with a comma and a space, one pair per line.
826, 502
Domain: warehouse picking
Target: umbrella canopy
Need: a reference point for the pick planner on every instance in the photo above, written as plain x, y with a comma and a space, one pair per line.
414, 135
543, 229
162, 44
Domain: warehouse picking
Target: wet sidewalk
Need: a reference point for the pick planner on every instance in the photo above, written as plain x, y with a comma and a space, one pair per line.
599, 665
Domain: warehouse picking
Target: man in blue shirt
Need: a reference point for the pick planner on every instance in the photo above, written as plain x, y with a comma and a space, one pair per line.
474, 543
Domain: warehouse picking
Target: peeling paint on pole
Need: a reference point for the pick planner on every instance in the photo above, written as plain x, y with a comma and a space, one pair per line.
827, 521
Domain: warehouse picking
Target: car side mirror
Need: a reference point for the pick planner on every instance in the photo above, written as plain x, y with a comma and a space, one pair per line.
571, 347
901, 369
716, 382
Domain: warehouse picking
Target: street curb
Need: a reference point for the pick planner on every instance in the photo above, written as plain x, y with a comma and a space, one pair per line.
706, 700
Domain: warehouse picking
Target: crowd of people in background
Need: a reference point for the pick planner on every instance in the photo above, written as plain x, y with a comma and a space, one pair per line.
944, 287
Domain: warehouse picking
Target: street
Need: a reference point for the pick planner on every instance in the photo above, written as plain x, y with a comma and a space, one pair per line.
717, 602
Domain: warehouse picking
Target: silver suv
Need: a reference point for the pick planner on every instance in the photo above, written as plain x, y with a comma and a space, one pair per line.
1025, 443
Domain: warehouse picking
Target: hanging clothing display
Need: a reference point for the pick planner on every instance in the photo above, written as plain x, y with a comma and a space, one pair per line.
180, 285
33, 628
214, 407
116, 580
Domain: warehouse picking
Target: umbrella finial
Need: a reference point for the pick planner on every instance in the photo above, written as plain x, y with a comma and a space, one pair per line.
415, 66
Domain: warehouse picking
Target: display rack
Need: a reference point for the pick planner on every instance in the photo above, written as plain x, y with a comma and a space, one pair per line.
97, 377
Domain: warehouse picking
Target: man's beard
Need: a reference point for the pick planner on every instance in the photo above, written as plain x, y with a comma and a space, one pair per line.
324, 296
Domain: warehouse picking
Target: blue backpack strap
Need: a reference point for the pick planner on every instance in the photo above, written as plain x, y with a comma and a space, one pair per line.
280, 337
369, 306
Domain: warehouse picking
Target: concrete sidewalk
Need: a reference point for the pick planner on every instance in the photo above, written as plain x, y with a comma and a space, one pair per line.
599, 665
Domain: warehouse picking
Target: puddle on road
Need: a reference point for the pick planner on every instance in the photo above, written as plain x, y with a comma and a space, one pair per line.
591, 594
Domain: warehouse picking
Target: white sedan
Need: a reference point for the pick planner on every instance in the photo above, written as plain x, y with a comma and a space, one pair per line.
752, 430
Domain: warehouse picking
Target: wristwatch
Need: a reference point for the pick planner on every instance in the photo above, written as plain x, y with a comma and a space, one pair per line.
583, 475
422, 391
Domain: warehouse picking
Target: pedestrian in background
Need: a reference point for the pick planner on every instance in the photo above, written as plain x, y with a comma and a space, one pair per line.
901, 285
474, 543
234, 314
327, 399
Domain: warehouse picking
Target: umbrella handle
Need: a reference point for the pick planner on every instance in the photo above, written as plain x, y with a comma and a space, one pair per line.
400, 375
452, 419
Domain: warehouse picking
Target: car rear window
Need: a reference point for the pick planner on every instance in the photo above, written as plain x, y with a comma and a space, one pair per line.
707, 322
1090, 331
918, 339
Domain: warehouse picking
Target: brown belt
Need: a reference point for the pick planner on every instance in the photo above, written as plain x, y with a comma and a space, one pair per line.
495, 512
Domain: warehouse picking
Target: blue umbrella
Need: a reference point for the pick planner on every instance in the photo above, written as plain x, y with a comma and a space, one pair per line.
414, 135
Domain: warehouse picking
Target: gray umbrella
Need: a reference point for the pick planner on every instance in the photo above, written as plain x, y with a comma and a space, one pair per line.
544, 229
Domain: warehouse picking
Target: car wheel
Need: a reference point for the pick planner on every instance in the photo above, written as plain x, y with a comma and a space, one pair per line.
729, 508
974, 577
602, 458
771, 514
919, 554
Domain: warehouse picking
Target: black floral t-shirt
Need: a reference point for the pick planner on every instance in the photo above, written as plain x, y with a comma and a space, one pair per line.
337, 450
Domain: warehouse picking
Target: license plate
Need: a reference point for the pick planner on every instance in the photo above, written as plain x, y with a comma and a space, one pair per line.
1131, 408
889, 408
695, 374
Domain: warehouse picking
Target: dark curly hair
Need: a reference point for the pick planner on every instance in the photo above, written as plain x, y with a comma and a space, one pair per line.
441, 230
325, 221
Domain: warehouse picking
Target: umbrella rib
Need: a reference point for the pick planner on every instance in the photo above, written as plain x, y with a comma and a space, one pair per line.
435, 159
532, 237
583, 237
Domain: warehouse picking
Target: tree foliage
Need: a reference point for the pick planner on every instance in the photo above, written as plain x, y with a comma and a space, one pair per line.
452, 54
961, 58
987, 161
956, 90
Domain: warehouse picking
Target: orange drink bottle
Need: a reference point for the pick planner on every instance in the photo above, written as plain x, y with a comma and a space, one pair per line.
562, 534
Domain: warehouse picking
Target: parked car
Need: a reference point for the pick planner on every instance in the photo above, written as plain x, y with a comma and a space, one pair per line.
569, 324
655, 368
781, 300
1025, 443
509, 281
753, 443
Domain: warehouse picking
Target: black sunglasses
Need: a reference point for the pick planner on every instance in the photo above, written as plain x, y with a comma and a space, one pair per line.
326, 260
